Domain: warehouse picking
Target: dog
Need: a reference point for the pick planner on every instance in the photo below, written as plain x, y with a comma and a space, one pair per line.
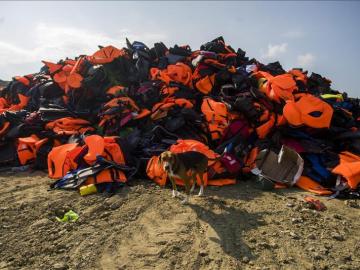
185, 166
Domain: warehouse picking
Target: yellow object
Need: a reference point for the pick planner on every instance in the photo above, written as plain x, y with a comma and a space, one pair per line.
337, 96
87, 190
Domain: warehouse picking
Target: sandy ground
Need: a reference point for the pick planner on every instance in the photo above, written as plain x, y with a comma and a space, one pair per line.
142, 227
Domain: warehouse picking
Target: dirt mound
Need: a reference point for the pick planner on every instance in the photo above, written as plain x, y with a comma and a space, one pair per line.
142, 227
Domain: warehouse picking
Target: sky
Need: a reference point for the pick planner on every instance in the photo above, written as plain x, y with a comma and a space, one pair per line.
323, 37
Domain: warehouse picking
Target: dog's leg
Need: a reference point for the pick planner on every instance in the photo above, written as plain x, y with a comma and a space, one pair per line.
201, 192
192, 188
194, 183
187, 191
174, 190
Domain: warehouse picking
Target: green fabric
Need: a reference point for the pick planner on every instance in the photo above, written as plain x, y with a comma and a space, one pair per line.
70, 216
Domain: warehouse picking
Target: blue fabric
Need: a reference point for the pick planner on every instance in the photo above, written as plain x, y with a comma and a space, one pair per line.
344, 105
319, 172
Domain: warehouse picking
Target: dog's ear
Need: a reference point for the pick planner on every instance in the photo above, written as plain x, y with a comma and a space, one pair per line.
160, 160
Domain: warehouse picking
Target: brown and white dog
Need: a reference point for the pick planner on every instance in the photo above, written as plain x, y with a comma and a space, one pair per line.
185, 166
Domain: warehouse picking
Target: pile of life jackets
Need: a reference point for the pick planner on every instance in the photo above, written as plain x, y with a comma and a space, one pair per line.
105, 118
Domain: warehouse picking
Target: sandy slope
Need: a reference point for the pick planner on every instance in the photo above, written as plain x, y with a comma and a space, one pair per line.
142, 227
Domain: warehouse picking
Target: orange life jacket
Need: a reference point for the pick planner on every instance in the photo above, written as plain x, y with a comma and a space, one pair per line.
62, 159
216, 114
276, 87
308, 184
66, 75
115, 90
69, 126
59, 162
281, 120
66, 80
182, 146
4, 128
124, 100
23, 102
155, 171
179, 72
26, 149
106, 176
6, 105
249, 160
96, 145
264, 129
215, 63
168, 90
349, 168
221, 182
112, 151
52, 67
225, 56
298, 75
206, 84
129, 107
23, 79
3, 104
308, 110
217, 168
143, 113
161, 109
106, 55
106, 147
